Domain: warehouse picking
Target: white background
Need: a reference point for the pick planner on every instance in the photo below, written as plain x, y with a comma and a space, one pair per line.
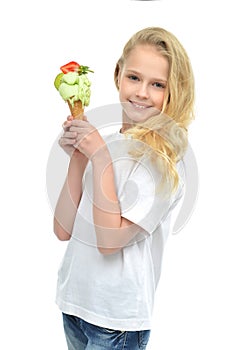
200, 300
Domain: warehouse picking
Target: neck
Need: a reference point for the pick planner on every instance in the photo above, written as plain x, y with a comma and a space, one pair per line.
126, 123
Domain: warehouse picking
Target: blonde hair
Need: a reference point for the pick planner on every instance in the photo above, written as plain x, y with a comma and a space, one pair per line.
166, 133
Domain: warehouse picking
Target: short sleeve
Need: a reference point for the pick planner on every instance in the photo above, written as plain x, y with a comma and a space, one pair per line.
142, 200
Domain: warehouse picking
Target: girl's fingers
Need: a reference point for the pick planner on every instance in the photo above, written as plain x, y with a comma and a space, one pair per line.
65, 126
83, 127
66, 141
75, 129
70, 134
79, 123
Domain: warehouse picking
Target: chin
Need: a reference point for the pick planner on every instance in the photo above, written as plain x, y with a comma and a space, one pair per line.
138, 115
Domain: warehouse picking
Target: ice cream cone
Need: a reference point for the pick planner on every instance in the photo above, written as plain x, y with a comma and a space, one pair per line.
77, 109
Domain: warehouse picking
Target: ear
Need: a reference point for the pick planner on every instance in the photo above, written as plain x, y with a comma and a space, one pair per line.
119, 77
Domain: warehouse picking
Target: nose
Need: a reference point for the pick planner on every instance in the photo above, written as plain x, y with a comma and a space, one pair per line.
142, 91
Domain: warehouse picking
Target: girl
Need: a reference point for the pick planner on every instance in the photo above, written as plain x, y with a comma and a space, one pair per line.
117, 222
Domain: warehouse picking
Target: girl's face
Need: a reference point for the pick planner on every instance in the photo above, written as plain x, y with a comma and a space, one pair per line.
142, 82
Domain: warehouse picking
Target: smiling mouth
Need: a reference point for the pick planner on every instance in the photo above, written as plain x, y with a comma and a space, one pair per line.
139, 105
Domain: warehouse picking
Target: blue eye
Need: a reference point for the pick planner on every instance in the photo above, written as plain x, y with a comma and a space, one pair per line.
159, 85
133, 77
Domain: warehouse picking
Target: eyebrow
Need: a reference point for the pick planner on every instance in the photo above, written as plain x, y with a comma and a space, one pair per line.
155, 79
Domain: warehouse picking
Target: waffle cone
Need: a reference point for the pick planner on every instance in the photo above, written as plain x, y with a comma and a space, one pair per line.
77, 109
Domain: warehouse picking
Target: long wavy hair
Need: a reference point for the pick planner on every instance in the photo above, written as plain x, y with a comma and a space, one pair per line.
167, 132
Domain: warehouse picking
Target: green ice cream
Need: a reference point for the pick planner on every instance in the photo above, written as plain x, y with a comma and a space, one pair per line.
74, 87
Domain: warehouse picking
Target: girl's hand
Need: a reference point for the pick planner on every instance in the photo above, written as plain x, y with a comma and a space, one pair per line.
68, 139
88, 139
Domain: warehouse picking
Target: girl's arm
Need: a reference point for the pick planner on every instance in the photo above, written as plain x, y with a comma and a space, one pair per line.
112, 230
71, 193
70, 196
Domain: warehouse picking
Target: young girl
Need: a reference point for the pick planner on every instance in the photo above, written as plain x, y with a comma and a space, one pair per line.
118, 220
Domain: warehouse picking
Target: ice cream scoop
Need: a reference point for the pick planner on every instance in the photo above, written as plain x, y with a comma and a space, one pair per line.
74, 87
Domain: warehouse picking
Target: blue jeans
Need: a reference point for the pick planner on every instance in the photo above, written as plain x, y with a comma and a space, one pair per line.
81, 335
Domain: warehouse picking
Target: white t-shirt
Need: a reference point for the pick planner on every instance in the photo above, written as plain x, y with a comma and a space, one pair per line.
117, 291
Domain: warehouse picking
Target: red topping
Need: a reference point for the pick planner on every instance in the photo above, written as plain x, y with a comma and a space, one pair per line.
70, 67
